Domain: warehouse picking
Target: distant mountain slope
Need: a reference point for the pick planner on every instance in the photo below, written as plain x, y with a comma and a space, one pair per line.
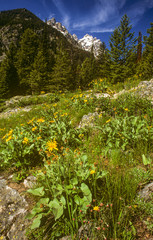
88, 42
14, 22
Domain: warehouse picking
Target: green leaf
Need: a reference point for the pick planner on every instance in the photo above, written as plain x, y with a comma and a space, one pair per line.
63, 201
146, 161
74, 181
37, 191
86, 191
36, 222
56, 208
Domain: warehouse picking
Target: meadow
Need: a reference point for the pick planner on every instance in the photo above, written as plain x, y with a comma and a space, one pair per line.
88, 178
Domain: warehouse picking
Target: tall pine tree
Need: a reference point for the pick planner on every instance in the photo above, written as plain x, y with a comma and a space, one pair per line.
26, 56
62, 78
38, 79
146, 66
9, 82
122, 52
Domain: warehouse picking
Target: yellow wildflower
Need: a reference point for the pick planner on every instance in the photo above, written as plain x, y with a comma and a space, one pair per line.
92, 171
34, 128
10, 132
40, 120
31, 121
85, 100
9, 138
42, 92
4, 136
126, 109
25, 140
108, 121
96, 208
38, 137
51, 145
52, 121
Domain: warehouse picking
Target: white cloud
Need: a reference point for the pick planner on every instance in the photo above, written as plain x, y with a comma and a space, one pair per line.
137, 9
51, 15
101, 30
61, 8
103, 11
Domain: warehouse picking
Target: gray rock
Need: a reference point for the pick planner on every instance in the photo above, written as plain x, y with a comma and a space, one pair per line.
146, 192
13, 209
29, 182
88, 120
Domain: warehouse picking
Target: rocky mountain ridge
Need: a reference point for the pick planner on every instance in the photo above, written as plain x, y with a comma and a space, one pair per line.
88, 42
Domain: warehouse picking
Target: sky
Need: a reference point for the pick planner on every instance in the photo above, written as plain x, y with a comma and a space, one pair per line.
96, 17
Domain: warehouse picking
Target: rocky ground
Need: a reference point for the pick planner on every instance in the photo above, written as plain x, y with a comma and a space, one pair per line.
14, 203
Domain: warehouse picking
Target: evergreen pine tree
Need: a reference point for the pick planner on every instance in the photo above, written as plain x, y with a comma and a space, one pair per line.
139, 48
62, 71
38, 78
26, 56
88, 71
146, 66
9, 84
123, 51
103, 62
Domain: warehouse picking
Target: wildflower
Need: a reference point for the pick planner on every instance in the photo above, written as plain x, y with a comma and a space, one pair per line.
85, 100
31, 121
10, 132
52, 121
48, 162
126, 109
51, 145
108, 121
38, 137
101, 204
92, 171
42, 92
98, 228
34, 128
96, 208
25, 140
9, 138
40, 120
4, 136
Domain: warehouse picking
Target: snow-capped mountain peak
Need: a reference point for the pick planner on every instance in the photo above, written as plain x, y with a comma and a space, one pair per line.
87, 43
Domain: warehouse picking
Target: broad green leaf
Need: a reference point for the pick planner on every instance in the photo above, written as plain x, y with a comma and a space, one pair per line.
37, 191
36, 222
63, 201
86, 192
145, 160
74, 181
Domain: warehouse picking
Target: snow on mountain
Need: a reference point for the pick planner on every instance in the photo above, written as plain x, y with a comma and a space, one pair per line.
87, 43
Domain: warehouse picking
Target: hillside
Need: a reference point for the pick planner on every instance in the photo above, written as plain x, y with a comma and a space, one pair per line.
28, 45
82, 148
14, 22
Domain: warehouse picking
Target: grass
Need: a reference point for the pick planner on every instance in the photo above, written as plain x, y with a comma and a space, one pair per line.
80, 170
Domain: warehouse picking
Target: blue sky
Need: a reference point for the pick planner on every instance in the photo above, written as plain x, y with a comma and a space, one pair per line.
95, 17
